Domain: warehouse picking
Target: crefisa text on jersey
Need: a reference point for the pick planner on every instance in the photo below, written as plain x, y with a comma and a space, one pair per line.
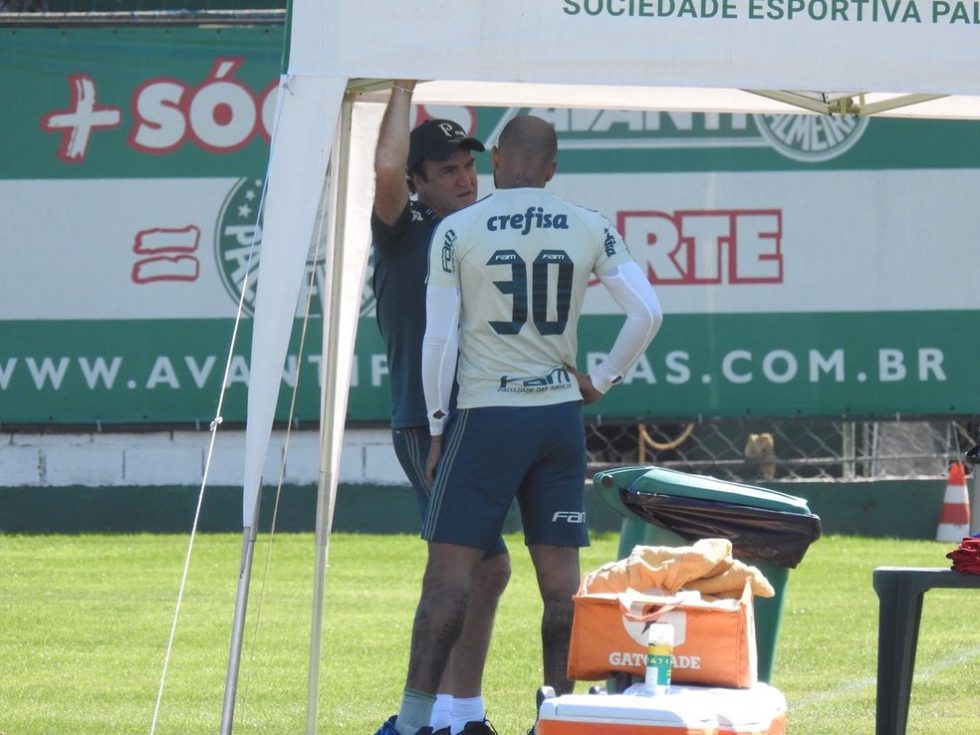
535, 218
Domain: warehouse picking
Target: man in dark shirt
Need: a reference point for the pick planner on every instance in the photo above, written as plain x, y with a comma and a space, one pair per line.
434, 162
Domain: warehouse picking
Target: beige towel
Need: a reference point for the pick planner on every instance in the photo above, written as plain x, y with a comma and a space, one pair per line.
706, 566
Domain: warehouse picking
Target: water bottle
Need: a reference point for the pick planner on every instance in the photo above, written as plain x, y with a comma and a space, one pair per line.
660, 658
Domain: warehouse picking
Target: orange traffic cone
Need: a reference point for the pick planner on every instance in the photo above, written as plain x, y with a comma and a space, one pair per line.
954, 518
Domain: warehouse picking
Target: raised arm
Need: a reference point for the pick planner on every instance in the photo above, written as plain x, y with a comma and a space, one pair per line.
391, 155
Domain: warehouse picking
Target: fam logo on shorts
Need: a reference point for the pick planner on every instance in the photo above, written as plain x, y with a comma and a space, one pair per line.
238, 249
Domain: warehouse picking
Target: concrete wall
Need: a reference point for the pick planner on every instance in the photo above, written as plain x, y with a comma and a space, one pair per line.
179, 457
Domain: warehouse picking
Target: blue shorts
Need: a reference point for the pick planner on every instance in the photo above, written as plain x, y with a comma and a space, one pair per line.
493, 454
412, 449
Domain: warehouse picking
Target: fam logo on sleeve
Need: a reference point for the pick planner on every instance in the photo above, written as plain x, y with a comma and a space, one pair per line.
448, 251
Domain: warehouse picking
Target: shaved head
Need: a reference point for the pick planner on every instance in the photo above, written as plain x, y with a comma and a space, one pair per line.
526, 153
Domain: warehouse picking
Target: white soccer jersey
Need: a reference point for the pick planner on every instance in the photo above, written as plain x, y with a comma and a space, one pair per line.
521, 260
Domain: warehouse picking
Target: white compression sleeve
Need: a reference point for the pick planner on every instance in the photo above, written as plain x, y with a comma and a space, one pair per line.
644, 315
439, 352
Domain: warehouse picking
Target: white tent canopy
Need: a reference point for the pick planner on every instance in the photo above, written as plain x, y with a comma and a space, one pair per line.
902, 57
596, 48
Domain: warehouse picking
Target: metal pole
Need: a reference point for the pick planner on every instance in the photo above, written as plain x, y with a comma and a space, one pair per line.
975, 506
328, 480
848, 450
238, 628
971, 460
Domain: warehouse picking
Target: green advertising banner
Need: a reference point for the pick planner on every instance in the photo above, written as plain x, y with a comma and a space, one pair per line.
808, 266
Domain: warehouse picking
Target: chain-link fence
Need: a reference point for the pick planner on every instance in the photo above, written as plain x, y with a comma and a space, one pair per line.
786, 449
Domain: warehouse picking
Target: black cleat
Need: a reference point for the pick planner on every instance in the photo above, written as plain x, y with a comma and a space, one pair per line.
478, 727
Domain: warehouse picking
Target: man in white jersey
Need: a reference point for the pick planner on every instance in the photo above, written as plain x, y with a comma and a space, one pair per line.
435, 162
508, 276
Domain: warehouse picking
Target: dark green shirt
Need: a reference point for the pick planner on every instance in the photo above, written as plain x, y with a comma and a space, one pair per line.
401, 258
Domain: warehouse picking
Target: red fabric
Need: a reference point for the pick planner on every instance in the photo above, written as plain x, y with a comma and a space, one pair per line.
966, 558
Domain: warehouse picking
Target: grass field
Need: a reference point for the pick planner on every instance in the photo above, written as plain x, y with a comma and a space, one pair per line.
84, 622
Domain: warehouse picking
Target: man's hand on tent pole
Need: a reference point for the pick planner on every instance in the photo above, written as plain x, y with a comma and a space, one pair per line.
402, 85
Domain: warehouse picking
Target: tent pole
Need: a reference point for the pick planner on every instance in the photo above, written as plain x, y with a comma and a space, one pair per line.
238, 628
329, 427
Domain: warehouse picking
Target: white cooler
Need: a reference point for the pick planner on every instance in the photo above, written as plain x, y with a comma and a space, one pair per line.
759, 710
687, 710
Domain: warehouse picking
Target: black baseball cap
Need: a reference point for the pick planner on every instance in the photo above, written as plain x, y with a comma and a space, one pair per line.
437, 140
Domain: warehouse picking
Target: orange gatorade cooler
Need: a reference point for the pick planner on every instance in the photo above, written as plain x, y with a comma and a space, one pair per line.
686, 710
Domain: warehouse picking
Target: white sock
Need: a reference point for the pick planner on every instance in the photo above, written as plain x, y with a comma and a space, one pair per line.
441, 712
469, 709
